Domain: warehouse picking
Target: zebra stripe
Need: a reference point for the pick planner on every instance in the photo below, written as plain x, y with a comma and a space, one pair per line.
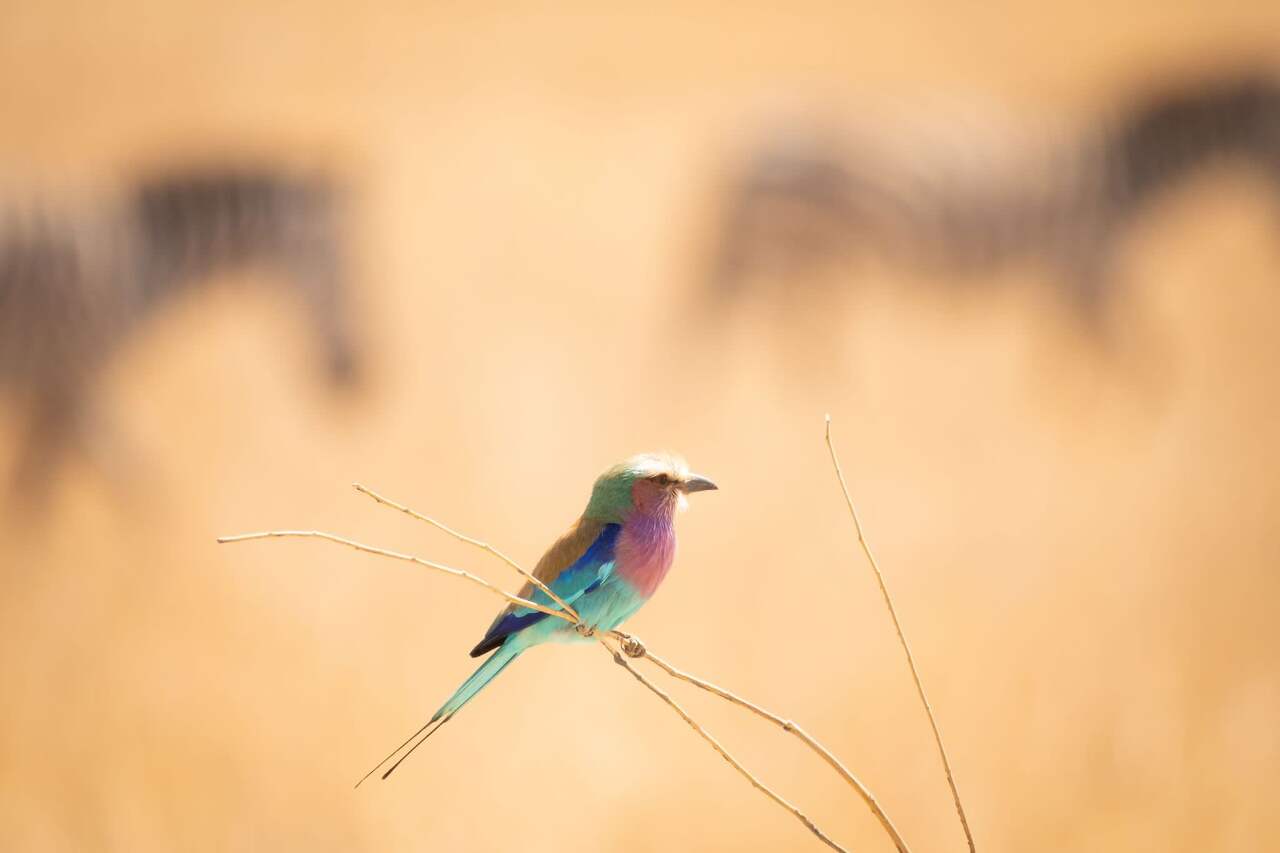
74, 285
806, 197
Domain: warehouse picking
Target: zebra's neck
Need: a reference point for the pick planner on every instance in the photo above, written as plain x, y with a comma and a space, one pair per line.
1174, 135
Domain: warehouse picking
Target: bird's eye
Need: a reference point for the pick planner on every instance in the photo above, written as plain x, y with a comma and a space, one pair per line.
662, 480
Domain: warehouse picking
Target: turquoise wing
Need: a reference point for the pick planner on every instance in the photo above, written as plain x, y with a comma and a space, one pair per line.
581, 576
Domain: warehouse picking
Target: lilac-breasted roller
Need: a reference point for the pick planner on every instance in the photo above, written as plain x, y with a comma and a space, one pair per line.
608, 564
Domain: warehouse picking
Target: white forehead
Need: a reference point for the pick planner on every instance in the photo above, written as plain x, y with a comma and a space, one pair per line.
652, 464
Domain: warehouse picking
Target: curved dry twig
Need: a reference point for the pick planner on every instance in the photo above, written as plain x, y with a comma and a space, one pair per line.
639, 650
396, 555
462, 537
631, 646
715, 744
897, 626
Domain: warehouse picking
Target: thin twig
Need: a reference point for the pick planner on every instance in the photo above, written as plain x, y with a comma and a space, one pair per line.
462, 537
640, 651
786, 725
715, 744
395, 555
562, 614
897, 626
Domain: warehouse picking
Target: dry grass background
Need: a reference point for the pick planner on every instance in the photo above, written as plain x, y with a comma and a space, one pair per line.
1083, 548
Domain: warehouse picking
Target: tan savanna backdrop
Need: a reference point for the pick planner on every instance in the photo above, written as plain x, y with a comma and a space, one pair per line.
1082, 540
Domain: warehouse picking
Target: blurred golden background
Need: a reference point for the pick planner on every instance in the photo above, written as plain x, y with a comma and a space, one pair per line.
1080, 529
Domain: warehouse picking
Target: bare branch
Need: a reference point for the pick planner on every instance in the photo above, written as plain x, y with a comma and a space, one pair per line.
897, 626
715, 744
636, 649
631, 647
462, 537
395, 555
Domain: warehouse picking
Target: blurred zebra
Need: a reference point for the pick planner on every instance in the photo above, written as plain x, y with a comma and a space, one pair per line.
65, 304
191, 225
940, 202
75, 287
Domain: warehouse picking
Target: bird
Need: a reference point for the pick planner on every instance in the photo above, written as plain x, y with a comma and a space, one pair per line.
606, 566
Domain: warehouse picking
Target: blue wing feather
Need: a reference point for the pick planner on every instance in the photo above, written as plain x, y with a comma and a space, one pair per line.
585, 574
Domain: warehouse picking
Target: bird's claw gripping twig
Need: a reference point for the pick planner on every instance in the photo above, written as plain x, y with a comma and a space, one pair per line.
584, 629
631, 646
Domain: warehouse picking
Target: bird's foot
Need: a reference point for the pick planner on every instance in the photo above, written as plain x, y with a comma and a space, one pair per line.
584, 630
631, 646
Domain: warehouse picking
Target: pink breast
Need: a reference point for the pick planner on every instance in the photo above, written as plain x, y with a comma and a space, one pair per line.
645, 550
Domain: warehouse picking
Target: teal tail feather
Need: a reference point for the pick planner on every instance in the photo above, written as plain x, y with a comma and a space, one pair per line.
487, 672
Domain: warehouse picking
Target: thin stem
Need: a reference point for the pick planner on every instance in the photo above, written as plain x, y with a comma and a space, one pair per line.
462, 537
715, 744
787, 726
897, 626
395, 555
634, 648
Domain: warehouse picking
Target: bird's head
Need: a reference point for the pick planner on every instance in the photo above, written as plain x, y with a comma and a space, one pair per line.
651, 484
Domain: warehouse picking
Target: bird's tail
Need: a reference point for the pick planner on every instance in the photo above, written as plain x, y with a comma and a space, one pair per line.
487, 672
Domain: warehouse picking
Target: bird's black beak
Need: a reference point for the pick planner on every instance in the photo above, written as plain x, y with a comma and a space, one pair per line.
698, 483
